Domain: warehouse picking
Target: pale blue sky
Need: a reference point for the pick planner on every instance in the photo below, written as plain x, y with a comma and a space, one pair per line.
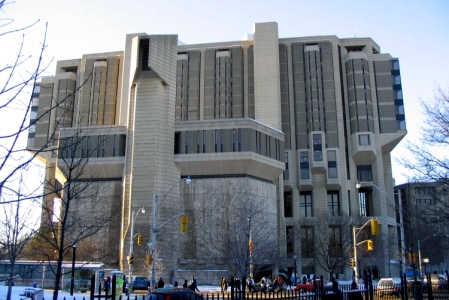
417, 32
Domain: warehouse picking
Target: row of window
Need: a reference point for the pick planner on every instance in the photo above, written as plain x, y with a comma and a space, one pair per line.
333, 241
228, 140
306, 204
304, 166
92, 146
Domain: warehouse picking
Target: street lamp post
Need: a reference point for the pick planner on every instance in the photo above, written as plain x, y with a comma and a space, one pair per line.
419, 253
72, 279
131, 247
294, 266
155, 228
425, 261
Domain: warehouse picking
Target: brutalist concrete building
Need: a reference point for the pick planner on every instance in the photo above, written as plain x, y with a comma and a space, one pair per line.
284, 125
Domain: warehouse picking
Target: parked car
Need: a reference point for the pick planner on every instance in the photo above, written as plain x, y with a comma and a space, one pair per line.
309, 285
140, 283
389, 286
173, 293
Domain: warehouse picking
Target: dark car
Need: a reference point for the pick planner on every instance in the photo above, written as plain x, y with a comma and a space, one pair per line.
140, 283
416, 286
173, 293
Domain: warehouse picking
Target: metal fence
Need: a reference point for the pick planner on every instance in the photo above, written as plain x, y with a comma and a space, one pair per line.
403, 289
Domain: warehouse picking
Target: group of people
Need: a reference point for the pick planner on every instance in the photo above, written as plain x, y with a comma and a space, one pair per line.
190, 285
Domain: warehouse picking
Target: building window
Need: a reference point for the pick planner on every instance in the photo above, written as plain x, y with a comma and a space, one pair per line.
364, 140
198, 139
395, 64
286, 175
396, 79
216, 140
364, 173
186, 142
304, 164
333, 203
307, 242
424, 191
399, 109
305, 200
288, 205
401, 124
204, 141
234, 138
425, 201
317, 148
240, 139
221, 140
335, 241
332, 164
290, 239
363, 200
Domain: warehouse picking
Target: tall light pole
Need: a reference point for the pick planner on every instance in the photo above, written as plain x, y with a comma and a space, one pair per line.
72, 279
419, 253
400, 224
155, 228
131, 247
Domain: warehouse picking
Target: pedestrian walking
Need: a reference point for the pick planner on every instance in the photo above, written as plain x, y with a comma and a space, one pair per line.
194, 285
160, 283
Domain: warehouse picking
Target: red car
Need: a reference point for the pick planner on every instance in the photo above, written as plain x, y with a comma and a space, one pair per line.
308, 286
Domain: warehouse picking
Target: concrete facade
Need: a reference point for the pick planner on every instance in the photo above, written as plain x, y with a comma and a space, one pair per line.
300, 120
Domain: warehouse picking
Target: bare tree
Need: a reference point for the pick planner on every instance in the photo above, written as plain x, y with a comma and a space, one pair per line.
332, 243
17, 77
428, 160
238, 225
17, 228
86, 206
77, 209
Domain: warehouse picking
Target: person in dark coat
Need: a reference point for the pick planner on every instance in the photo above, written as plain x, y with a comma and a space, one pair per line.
334, 285
176, 284
193, 284
160, 283
237, 284
186, 284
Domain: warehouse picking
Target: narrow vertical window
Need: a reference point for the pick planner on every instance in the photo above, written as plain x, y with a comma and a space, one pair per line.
186, 142
233, 140
304, 164
333, 203
332, 164
364, 173
290, 239
204, 141
198, 139
335, 242
305, 202
363, 199
240, 139
286, 174
317, 147
216, 141
307, 242
288, 204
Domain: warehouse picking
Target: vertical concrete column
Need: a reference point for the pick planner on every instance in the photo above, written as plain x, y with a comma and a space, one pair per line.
266, 74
